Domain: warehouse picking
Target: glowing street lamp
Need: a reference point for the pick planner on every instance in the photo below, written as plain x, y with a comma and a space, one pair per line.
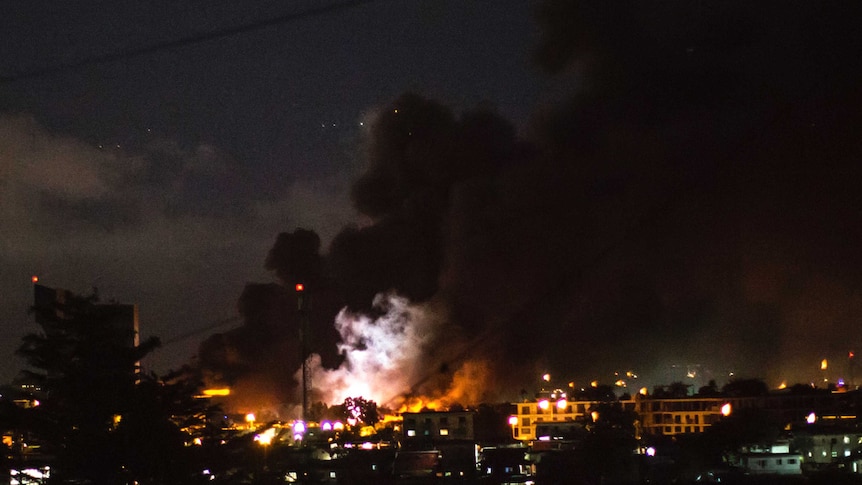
513, 420
544, 404
726, 409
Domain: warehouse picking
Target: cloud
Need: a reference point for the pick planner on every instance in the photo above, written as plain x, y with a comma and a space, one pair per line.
176, 229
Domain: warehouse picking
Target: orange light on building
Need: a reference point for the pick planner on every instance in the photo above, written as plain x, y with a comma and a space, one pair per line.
544, 404
562, 403
217, 392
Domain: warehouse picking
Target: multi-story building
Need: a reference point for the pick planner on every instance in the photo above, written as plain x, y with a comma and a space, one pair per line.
680, 416
439, 426
49, 301
546, 418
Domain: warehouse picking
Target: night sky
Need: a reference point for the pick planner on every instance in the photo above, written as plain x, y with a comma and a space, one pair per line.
572, 186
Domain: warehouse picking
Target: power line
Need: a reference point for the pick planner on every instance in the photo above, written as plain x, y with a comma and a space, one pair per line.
182, 42
192, 333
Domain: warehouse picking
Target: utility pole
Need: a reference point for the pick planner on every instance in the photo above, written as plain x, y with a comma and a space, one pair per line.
303, 305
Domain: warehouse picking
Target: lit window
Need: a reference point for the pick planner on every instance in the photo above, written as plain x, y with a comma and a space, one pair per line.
411, 432
846, 452
444, 432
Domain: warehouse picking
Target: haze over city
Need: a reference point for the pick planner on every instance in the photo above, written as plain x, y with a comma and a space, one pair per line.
481, 192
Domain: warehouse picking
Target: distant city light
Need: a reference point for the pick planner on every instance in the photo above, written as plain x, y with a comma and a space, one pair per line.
326, 426
249, 418
299, 427
513, 420
544, 404
594, 415
783, 385
594, 384
650, 451
300, 287
726, 409
811, 418
824, 364
644, 391
546, 377
35, 279
562, 403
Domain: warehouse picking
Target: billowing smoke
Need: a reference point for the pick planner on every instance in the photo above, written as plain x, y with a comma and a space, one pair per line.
693, 199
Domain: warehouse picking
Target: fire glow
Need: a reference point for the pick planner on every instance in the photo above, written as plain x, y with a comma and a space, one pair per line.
385, 361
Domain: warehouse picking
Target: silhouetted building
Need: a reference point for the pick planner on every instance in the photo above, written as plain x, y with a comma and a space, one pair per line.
122, 317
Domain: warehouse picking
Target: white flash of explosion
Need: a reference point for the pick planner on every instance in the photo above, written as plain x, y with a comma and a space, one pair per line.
383, 356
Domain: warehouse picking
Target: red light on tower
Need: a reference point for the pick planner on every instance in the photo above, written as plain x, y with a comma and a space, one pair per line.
34, 279
300, 287
850, 355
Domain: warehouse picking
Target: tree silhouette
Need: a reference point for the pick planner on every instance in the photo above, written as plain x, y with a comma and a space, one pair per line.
99, 419
747, 387
363, 410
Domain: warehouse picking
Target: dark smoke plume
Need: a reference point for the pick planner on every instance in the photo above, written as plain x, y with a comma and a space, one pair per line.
693, 201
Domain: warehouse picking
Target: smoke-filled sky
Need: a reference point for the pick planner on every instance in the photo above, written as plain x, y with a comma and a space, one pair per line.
571, 186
